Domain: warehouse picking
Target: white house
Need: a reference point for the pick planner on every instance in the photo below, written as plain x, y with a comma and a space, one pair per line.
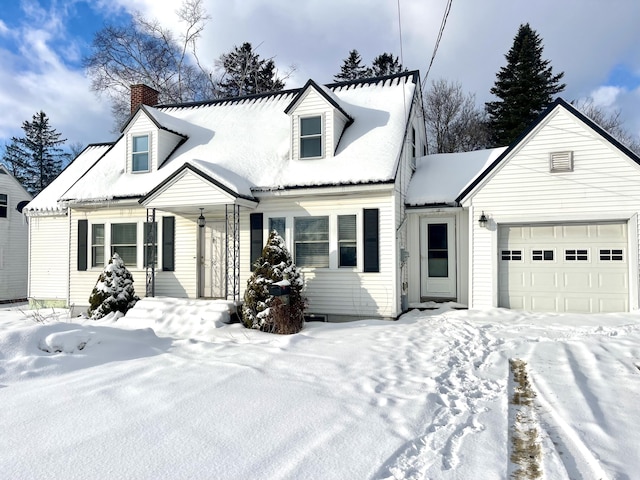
13, 238
188, 193
548, 224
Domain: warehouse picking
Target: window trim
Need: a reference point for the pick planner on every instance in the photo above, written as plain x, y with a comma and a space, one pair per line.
112, 245
93, 245
134, 152
297, 242
4, 207
302, 137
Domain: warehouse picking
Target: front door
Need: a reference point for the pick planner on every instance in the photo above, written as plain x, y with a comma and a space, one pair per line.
212, 261
437, 258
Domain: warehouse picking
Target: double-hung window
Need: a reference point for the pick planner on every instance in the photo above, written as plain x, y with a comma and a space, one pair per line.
124, 240
4, 204
97, 245
347, 250
310, 137
140, 153
279, 224
311, 237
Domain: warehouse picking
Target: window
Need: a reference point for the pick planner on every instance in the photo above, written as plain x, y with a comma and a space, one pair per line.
413, 142
311, 137
542, 255
609, 255
140, 154
438, 250
571, 255
311, 235
97, 245
150, 244
512, 255
4, 203
347, 252
123, 241
279, 224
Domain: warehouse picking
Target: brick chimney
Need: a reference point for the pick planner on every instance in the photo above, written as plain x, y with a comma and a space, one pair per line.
142, 94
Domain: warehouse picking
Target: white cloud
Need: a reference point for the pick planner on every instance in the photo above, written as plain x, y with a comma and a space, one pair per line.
606, 96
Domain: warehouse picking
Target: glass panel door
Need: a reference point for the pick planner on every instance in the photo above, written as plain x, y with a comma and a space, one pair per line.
437, 250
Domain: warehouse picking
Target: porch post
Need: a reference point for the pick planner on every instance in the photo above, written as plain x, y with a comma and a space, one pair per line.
232, 252
150, 243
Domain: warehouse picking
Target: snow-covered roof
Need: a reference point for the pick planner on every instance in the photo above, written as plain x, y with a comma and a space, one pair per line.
246, 143
47, 200
440, 178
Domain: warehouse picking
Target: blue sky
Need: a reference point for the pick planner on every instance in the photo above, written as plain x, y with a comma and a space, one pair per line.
596, 44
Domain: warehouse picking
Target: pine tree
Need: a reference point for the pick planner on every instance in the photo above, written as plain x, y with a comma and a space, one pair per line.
113, 291
525, 87
263, 311
245, 73
352, 68
386, 64
36, 159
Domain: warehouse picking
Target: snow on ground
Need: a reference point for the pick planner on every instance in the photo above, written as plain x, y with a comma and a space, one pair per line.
171, 391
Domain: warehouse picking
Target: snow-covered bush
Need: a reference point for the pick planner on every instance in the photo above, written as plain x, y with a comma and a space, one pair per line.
263, 311
113, 291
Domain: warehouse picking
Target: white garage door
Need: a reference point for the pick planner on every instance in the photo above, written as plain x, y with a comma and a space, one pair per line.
564, 268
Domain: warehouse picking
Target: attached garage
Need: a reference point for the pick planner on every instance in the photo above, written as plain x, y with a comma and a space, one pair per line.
564, 267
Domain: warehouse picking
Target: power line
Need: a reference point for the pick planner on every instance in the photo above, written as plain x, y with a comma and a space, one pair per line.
435, 48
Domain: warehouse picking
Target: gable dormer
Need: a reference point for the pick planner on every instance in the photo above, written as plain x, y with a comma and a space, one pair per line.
148, 141
317, 122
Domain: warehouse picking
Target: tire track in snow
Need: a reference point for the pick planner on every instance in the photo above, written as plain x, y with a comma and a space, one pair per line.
455, 403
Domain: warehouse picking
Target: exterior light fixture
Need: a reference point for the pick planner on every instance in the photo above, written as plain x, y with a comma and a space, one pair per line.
201, 220
483, 220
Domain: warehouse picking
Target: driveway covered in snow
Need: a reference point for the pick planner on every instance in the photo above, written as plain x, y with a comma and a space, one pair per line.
177, 395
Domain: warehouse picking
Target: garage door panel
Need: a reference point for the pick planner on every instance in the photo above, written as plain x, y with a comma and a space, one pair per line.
564, 268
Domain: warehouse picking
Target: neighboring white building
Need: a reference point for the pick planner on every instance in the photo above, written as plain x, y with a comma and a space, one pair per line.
13, 238
560, 221
326, 166
188, 194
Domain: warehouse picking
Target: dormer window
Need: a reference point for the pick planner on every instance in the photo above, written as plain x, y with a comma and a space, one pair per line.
140, 153
311, 137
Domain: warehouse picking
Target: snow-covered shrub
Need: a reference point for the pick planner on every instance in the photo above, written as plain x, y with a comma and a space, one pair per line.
113, 291
263, 311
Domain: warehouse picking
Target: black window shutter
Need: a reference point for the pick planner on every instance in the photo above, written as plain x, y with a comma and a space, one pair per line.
371, 240
83, 233
168, 244
255, 220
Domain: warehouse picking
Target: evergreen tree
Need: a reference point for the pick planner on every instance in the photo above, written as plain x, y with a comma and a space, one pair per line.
36, 159
525, 86
352, 68
386, 64
245, 73
113, 291
263, 311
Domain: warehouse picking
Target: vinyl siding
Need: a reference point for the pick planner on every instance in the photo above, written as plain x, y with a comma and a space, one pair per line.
49, 258
603, 186
190, 190
13, 242
337, 291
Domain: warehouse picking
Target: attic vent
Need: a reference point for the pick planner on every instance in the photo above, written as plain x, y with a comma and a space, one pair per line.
561, 161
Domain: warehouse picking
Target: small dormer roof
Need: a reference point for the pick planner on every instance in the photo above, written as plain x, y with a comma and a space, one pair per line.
327, 94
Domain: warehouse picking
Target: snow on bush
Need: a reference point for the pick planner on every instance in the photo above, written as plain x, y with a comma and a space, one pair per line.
263, 311
113, 291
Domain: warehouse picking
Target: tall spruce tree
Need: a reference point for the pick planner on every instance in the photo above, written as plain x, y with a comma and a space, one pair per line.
386, 64
36, 159
245, 73
525, 86
352, 68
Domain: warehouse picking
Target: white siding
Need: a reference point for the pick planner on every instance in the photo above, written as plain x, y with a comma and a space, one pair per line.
336, 291
49, 259
167, 142
603, 186
13, 242
190, 190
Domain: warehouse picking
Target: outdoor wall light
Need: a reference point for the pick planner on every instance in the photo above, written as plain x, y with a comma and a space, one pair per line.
201, 220
483, 220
